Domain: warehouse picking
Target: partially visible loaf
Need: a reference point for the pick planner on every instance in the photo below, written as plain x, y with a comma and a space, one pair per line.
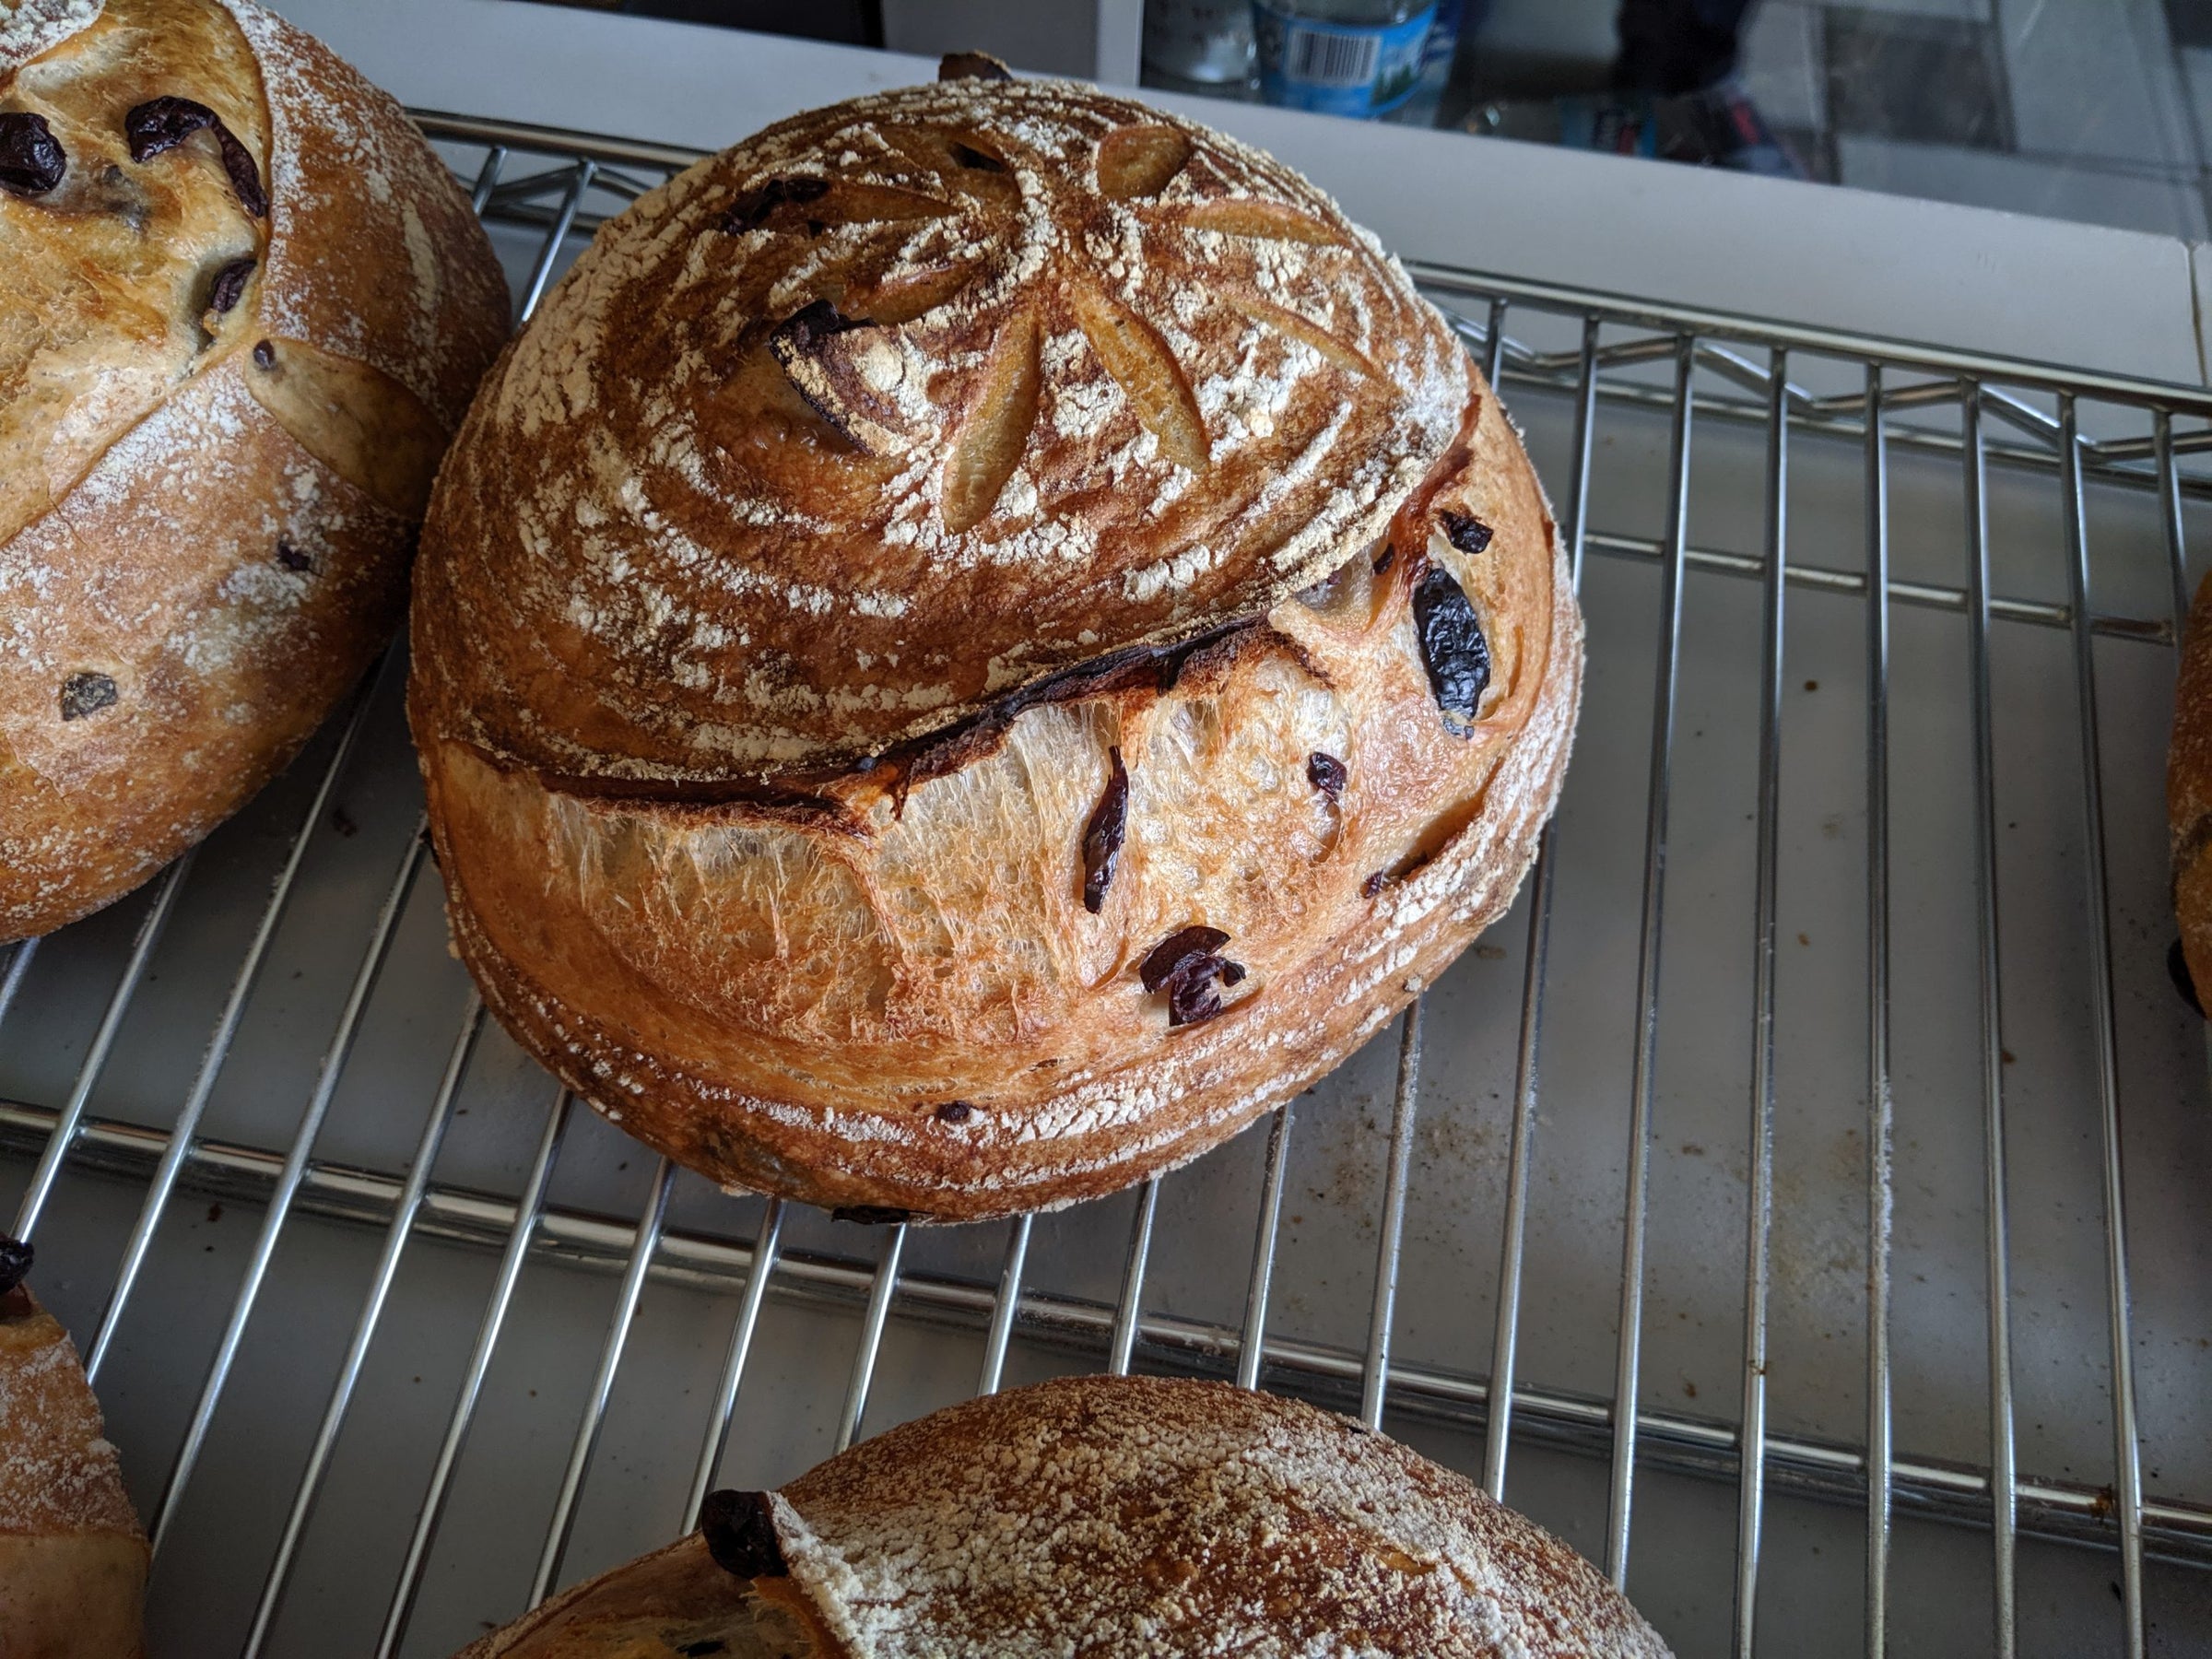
1104, 1516
2189, 795
247, 306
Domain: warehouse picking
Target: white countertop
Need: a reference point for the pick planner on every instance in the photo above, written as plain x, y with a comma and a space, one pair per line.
2117, 301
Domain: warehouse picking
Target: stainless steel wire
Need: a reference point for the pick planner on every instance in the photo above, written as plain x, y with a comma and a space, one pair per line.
1643, 1083
871, 1335
1760, 1221
1374, 1380
724, 1409
2004, 1483
1006, 1306
2170, 505
21, 955
1129, 1314
1251, 1349
2126, 1442
1880, 1123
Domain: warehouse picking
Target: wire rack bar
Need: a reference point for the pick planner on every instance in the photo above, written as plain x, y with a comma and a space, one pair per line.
1521, 1153
871, 1335
1129, 1314
1251, 1346
2126, 1454
288, 1188
2169, 504
226, 1026
520, 1228
1004, 1308
758, 1272
21, 955
1643, 1084
58, 1142
434, 1127
1760, 1222
1375, 1377
2003, 1472
1880, 1123
563, 1524
542, 272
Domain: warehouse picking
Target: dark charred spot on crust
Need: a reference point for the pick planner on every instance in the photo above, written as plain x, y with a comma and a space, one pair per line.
1376, 881
161, 124
2177, 966
1327, 773
16, 1256
1189, 966
705, 1645
1464, 531
1102, 836
1453, 648
290, 558
87, 693
740, 1531
973, 66
871, 1215
264, 355
753, 210
955, 1111
32, 159
229, 283
974, 159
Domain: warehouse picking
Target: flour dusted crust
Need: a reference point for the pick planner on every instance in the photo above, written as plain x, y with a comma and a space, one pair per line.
73, 1560
217, 427
761, 793
2189, 795
1118, 1517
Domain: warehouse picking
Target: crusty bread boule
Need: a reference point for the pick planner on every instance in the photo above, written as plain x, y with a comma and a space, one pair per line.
246, 306
73, 1558
980, 640
1110, 1517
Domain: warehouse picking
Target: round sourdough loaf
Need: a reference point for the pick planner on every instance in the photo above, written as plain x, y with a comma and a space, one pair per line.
980, 638
245, 308
1110, 1517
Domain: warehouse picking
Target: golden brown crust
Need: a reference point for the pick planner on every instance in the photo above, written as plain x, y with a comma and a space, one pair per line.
899, 406
217, 444
72, 1560
1117, 1517
2189, 795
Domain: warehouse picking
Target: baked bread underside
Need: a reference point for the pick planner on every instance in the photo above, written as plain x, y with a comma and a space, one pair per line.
980, 640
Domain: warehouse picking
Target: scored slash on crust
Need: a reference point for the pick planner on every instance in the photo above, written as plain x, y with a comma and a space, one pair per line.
969, 173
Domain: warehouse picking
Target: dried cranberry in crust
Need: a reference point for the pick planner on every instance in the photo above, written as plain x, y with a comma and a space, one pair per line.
162, 123
751, 210
1464, 531
1375, 883
15, 1262
230, 282
32, 159
87, 693
740, 1531
1327, 773
1452, 649
955, 1111
1164, 958
971, 65
871, 1215
1390, 557
290, 558
1102, 836
264, 355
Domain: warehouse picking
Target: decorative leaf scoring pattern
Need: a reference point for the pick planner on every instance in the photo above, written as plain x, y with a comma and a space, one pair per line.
1132, 165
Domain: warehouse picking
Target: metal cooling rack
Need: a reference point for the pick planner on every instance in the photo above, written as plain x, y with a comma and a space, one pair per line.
391, 1364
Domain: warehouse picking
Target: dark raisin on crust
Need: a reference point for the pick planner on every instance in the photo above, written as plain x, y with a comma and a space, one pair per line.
15, 1262
229, 283
752, 210
974, 159
87, 693
2177, 967
1327, 773
264, 355
973, 66
32, 159
1375, 883
871, 1215
740, 1530
161, 124
955, 1111
1453, 648
1464, 531
290, 558
1102, 836
1389, 558
1164, 958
